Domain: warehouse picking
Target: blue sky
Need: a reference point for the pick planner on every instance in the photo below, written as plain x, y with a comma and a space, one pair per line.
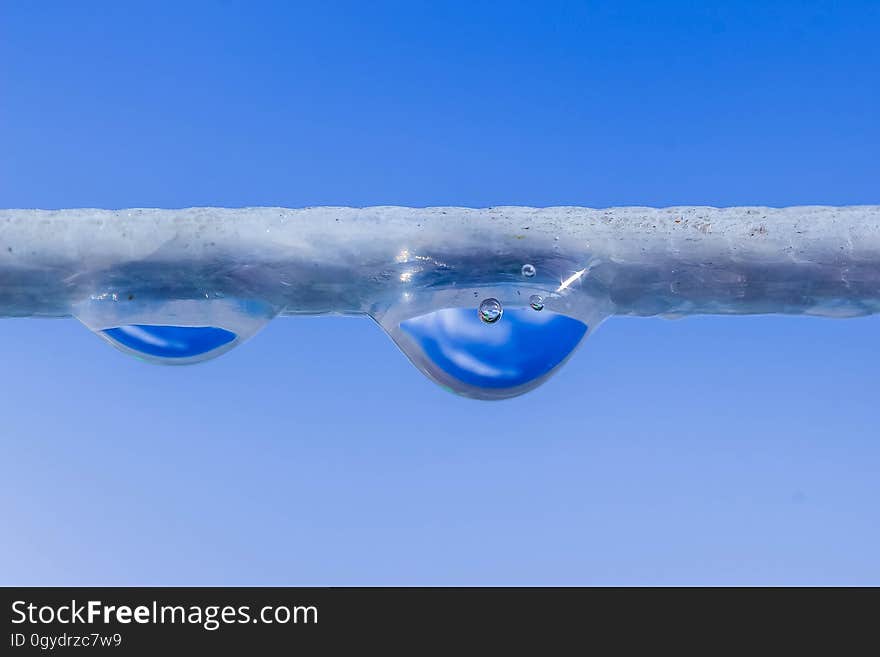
706, 450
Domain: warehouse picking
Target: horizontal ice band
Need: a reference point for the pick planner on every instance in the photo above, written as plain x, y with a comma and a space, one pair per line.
645, 261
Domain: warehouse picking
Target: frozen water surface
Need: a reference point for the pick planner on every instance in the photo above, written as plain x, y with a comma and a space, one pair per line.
488, 303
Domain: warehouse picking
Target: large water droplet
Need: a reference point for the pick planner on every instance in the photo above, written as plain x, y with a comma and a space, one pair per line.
536, 301
528, 270
490, 310
454, 348
170, 342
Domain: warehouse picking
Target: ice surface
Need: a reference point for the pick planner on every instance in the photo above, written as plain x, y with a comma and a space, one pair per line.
646, 261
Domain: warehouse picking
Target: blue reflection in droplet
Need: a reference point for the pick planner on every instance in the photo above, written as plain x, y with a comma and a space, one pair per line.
521, 348
173, 342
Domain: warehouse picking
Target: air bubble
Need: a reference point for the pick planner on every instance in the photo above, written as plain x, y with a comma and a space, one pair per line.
528, 270
536, 301
490, 310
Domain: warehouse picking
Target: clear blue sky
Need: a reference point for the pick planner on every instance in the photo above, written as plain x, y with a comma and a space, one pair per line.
707, 450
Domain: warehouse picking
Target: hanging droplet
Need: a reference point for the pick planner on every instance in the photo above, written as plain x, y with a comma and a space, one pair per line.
528, 270
490, 310
536, 301
169, 342
453, 348
176, 332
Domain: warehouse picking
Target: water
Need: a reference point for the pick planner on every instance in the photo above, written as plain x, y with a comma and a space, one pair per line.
456, 349
171, 343
176, 332
493, 351
183, 286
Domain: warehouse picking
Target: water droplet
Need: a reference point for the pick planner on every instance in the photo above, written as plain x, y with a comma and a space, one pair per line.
453, 348
536, 301
490, 310
177, 332
169, 342
528, 270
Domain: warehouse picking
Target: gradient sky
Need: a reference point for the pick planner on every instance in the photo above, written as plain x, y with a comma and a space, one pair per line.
706, 450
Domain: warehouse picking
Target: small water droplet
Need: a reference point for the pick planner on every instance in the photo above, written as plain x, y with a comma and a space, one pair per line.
490, 310
174, 332
528, 270
536, 301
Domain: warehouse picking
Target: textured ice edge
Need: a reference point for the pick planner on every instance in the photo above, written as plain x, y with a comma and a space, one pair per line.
644, 261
